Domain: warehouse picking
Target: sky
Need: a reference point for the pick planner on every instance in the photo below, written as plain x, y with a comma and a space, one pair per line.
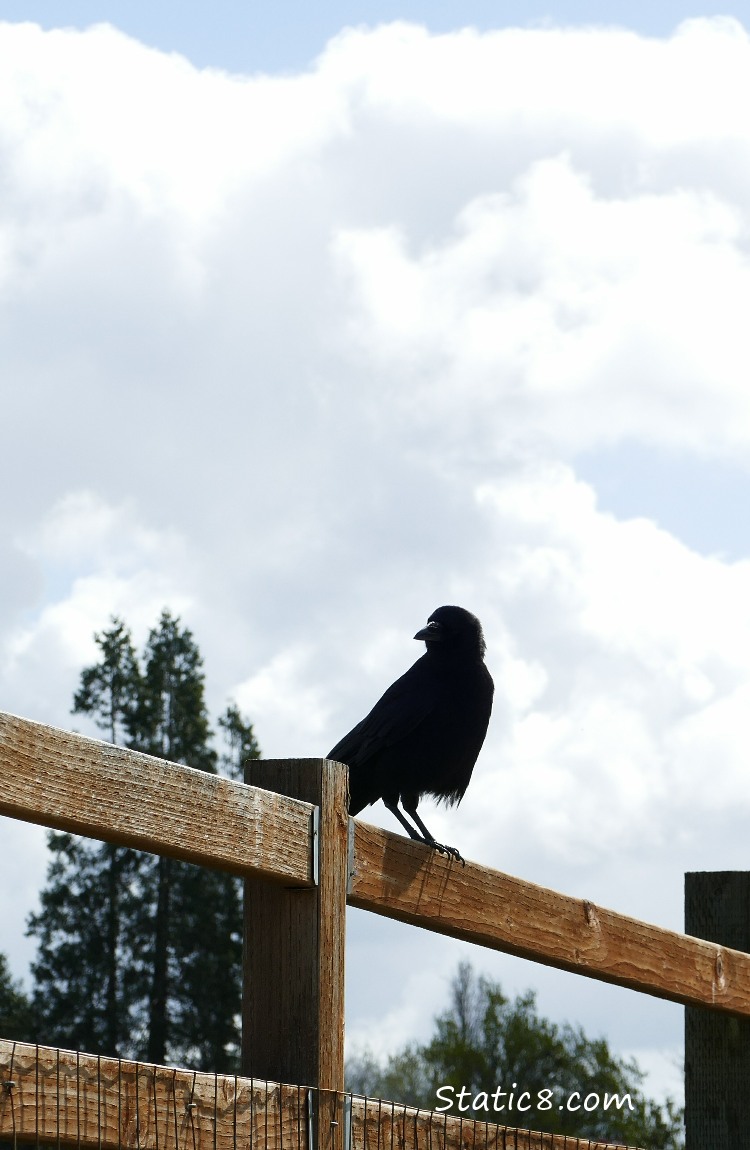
313, 318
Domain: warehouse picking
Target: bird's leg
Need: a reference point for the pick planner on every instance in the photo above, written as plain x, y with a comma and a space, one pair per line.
392, 805
409, 803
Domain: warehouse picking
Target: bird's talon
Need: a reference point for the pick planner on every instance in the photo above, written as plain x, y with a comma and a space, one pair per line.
452, 852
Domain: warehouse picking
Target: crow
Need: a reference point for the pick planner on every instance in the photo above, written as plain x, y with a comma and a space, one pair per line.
423, 736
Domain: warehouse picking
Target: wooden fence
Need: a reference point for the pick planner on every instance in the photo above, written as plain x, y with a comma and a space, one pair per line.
65, 1098
288, 834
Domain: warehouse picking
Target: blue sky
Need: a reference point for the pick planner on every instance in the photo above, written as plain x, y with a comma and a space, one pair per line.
289, 34
327, 321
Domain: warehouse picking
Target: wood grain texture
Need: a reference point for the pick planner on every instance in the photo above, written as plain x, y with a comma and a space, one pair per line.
91, 788
69, 1099
401, 879
293, 981
82, 1100
377, 1125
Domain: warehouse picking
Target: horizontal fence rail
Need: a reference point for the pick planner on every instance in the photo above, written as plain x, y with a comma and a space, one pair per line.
405, 880
77, 784
92, 788
65, 1098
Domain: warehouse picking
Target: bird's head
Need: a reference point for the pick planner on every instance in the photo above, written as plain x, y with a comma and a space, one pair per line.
454, 628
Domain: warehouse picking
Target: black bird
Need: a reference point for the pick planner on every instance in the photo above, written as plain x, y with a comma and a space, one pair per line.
423, 736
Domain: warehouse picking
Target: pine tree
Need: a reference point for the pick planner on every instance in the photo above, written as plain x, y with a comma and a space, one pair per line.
205, 1005
86, 982
109, 692
171, 719
110, 689
141, 955
241, 742
16, 1014
171, 722
84, 988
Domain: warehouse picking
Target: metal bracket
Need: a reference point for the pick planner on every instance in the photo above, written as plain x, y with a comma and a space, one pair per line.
346, 1107
347, 1120
316, 845
310, 1120
350, 868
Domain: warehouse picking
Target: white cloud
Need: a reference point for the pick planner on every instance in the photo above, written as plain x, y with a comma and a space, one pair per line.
285, 700
551, 311
303, 357
92, 560
639, 651
545, 76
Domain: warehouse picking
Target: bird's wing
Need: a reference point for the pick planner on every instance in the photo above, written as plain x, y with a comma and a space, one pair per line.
405, 705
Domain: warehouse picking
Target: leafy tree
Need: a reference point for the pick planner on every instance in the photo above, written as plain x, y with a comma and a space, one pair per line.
140, 955
16, 1014
485, 1043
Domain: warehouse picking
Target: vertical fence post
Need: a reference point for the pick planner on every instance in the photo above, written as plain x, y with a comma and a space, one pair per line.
293, 965
717, 1047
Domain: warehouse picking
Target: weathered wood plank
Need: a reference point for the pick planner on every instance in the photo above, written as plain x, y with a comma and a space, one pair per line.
293, 997
70, 1099
377, 1125
77, 784
82, 1100
406, 880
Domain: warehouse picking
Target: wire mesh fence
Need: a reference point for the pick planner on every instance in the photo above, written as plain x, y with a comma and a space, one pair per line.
60, 1098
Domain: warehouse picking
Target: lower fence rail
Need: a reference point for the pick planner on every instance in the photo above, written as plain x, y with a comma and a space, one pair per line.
65, 1098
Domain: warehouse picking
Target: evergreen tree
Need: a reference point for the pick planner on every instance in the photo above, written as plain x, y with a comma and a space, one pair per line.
111, 688
241, 742
484, 1043
85, 985
86, 980
171, 719
16, 1014
138, 955
172, 722
205, 1005
109, 691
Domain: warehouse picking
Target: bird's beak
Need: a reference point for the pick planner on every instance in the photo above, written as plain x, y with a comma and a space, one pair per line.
432, 633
